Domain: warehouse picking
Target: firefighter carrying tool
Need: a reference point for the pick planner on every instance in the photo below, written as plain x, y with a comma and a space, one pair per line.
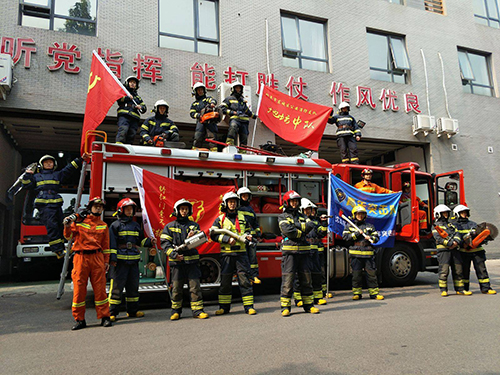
159, 127
369, 187
348, 133
204, 111
128, 112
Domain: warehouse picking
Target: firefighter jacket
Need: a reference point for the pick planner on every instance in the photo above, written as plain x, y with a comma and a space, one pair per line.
174, 234
346, 125
315, 236
442, 243
126, 106
47, 183
294, 227
466, 227
251, 218
89, 235
236, 108
370, 187
362, 248
236, 223
157, 125
125, 235
199, 105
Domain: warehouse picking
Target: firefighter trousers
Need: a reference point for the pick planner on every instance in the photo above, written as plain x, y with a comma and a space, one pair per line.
323, 271
368, 264
478, 259
51, 218
237, 127
200, 133
316, 279
180, 274
348, 149
230, 264
252, 257
124, 275
87, 266
296, 265
127, 128
450, 259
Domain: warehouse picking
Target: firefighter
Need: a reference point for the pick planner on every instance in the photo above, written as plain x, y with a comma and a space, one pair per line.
46, 182
202, 105
251, 218
294, 227
125, 235
235, 106
128, 112
91, 260
233, 254
369, 187
159, 125
348, 133
467, 229
422, 215
184, 265
362, 254
447, 243
314, 238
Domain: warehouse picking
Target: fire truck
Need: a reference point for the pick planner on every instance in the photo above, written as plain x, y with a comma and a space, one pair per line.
269, 177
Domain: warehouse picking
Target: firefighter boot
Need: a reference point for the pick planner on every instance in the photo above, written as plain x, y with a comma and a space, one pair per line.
221, 312
60, 254
320, 301
329, 295
444, 293
202, 315
251, 311
489, 291
138, 314
80, 324
175, 316
464, 293
106, 322
377, 296
285, 312
356, 297
256, 280
112, 318
313, 310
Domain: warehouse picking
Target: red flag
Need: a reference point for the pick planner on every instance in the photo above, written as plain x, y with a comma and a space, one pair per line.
294, 120
103, 91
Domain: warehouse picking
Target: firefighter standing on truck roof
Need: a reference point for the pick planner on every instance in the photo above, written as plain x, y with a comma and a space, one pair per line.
362, 254
467, 230
348, 133
125, 235
185, 264
294, 227
245, 197
159, 125
49, 203
369, 187
233, 254
235, 106
128, 112
91, 260
447, 243
202, 105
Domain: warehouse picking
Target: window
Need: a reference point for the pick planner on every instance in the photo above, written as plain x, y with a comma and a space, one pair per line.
304, 43
434, 6
71, 16
396, 1
486, 12
388, 57
475, 73
189, 25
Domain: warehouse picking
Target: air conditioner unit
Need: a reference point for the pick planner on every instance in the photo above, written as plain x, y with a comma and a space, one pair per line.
447, 126
6, 67
423, 124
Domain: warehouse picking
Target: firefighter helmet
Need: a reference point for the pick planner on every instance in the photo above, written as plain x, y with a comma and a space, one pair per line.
244, 190
159, 103
47, 157
289, 195
226, 197
95, 200
137, 80
439, 209
460, 208
233, 87
124, 203
344, 105
366, 171
182, 202
358, 209
306, 203
198, 85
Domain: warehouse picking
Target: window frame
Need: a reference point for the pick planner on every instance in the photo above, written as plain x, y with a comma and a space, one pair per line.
51, 15
488, 17
196, 38
470, 82
297, 54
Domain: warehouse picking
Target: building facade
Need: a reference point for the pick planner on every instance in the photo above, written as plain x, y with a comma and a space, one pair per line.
392, 60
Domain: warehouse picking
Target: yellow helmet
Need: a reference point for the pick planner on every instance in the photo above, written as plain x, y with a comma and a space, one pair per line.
357, 209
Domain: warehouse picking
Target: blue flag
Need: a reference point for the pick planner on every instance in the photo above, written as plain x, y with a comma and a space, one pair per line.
381, 209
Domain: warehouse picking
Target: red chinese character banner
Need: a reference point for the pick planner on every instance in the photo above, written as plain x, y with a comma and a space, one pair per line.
294, 120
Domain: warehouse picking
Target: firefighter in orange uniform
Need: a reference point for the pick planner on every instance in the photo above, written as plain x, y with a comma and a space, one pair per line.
422, 215
91, 260
369, 187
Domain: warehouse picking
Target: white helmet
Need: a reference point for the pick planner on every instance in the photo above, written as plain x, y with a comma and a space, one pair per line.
439, 209
227, 196
182, 202
306, 203
197, 85
137, 80
344, 105
236, 83
48, 157
459, 208
160, 103
244, 190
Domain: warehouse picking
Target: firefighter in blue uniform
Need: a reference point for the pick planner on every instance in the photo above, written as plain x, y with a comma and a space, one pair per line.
294, 227
125, 235
46, 182
233, 253
128, 112
185, 264
362, 254
467, 230
235, 106
202, 105
251, 218
159, 125
348, 133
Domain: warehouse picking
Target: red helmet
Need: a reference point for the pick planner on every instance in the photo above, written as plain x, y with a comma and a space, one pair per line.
95, 200
124, 203
366, 171
289, 195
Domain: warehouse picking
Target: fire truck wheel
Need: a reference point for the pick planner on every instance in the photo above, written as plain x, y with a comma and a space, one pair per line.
210, 270
399, 266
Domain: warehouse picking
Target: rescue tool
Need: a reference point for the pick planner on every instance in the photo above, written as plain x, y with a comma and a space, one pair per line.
192, 242
241, 238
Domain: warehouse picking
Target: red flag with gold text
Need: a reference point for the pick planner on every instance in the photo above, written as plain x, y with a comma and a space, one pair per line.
294, 120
